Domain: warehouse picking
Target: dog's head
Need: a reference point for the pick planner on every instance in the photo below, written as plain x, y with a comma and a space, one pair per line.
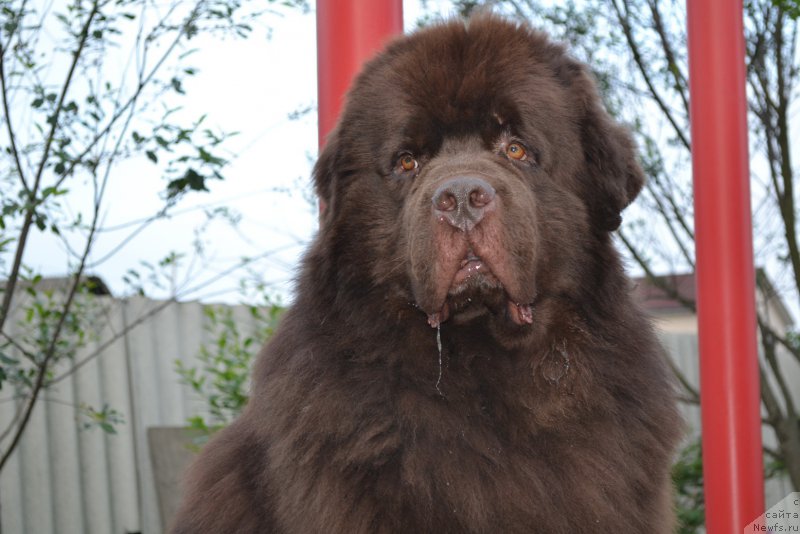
473, 173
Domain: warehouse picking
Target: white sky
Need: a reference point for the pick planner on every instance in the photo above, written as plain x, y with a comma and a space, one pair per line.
248, 86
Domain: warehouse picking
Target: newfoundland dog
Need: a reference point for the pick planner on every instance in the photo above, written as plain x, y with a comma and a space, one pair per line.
463, 354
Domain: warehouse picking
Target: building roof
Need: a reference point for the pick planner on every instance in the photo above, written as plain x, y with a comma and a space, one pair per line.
651, 295
683, 293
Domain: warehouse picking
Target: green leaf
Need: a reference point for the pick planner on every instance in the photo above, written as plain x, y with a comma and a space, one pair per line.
191, 180
176, 84
8, 360
152, 156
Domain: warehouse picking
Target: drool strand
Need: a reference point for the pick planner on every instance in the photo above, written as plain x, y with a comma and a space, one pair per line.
439, 346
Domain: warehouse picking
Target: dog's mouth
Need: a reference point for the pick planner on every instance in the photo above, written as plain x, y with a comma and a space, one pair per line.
472, 268
474, 290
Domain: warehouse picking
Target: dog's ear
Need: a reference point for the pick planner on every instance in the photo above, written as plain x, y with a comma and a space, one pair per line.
612, 176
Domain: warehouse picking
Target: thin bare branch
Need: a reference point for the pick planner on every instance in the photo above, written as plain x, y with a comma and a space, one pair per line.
769, 354
681, 85
12, 134
677, 211
780, 339
18, 413
785, 149
786, 428
694, 394
28, 354
666, 216
770, 401
641, 64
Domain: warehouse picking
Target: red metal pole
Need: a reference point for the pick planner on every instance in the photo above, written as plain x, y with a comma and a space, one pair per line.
729, 377
349, 32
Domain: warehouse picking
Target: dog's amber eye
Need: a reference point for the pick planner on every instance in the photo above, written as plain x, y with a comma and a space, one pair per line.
516, 151
407, 162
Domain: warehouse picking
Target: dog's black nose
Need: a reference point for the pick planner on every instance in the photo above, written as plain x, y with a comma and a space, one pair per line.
463, 201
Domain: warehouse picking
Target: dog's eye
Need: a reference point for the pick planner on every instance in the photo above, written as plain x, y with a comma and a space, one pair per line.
407, 163
516, 151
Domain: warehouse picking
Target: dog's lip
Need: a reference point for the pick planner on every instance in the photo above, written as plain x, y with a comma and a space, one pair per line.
470, 256
520, 314
472, 266
469, 267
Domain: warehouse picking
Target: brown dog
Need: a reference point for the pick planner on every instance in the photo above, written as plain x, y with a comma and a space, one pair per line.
463, 354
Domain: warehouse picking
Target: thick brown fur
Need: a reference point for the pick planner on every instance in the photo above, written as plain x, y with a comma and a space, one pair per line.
553, 412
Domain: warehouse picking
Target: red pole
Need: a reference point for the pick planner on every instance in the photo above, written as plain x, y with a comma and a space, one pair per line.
349, 32
729, 376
